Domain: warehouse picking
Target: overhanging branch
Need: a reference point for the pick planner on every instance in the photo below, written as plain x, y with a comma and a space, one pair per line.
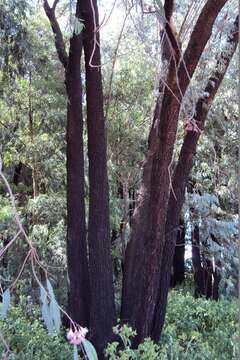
181, 175
59, 42
201, 34
203, 105
55, 4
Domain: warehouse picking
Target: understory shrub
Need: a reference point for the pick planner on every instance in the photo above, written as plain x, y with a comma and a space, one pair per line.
195, 329
28, 339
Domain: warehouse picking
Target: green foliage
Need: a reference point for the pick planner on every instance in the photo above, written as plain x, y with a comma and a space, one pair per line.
32, 89
218, 234
5, 213
194, 329
75, 352
199, 328
50, 309
28, 337
90, 350
4, 306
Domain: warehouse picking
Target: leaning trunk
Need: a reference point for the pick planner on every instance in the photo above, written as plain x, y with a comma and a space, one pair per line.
143, 310
184, 166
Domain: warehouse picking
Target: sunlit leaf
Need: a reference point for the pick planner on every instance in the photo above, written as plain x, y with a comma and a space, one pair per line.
54, 308
5, 303
90, 350
45, 310
75, 352
78, 26
50, 309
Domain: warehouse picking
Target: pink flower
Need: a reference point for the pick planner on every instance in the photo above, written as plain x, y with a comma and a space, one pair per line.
77, 336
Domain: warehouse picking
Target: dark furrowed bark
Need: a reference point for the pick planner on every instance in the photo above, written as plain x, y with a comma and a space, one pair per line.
168, 8
151, 244
178, 265
59, 43
181, 174
134, 255
79, 292
102, 316
197, 43
208, 272
198, 271
216, 281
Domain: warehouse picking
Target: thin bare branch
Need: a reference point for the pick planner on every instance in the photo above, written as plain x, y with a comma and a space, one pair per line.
54, 5
114, 62
197, 43
202, 107
59, 42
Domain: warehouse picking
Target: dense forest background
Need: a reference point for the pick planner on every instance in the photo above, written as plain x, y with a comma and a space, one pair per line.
124, 178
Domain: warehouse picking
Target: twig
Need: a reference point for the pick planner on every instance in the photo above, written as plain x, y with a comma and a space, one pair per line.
114, 61
95, 42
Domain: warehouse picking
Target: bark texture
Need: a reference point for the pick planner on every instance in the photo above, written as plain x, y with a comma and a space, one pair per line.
198, 271
182, 172
102, 316
149, 256
79, 289
79, 292
178, 266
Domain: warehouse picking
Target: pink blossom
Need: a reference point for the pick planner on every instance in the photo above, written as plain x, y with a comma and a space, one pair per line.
77, 336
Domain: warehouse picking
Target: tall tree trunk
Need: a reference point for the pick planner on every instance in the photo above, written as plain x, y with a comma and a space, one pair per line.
150, 244
102, 316
216, 281
139, 220
17, 173
79, 292
125, 216
79, 289
182, 171
32, 137
179, 256
198, 271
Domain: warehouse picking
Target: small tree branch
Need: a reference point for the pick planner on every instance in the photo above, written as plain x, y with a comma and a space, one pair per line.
59, 42
55, 4
168, 7
203, 105
114, 62
198, 42
183, 169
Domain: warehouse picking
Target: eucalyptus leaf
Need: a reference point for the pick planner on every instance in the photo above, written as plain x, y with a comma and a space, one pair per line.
78, 26
90, 350
75, 352
5, 303
45, 310
50, 309
54, 308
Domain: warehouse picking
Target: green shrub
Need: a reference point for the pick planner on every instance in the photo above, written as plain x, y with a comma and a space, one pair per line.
28, 338
195, 329
200, 328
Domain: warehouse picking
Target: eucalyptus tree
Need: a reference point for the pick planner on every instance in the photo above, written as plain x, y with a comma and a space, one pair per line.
91, 297
149, 253
152, 240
